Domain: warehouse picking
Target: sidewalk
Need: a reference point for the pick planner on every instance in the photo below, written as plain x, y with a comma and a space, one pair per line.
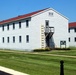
10, 71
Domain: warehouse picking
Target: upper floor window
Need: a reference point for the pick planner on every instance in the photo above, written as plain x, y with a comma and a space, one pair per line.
19, 24
51, 13
3, 28
47, 23
13, 25
69, 30
27, 23
8, 27
27, 38
74, 29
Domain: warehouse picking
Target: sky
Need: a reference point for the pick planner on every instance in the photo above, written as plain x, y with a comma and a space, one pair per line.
13, 8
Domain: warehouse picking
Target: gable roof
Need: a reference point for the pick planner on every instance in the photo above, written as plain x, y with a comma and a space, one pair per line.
29, 15
72, 25
21, 16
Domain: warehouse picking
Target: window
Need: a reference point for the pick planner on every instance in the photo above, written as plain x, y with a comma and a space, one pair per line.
27, 38
47, 23
3, 28
19, 24
3, 39
13, 39
69, 39
8, 39
27, 23
75, 39
69, 30
13, 25
50, 13
74, 29
8, 27
20, 39
62, 42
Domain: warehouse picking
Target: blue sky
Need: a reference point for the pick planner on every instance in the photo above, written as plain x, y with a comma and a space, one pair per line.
13, 8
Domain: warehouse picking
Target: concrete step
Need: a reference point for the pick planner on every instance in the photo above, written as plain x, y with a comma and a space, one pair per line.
7, 71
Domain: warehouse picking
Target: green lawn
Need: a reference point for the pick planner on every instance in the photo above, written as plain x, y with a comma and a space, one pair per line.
35, 64
71, 52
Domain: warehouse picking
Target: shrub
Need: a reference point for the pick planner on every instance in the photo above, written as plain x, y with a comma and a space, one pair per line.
61, 48
42, 49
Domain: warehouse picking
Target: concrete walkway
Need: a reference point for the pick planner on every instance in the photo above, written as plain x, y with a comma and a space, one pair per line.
10, 71
69, 56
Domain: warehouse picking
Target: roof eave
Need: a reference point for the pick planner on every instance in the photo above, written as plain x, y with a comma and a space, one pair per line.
15, 20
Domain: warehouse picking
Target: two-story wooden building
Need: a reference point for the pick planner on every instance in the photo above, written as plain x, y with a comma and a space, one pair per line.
39, 29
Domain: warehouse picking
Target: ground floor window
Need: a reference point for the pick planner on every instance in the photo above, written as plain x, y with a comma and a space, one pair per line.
3, 39
8, 39
27, 38
62, 43
13, 39
69, 39
75, 39
20, 39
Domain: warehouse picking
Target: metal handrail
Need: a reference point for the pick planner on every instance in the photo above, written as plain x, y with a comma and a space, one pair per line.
49, 29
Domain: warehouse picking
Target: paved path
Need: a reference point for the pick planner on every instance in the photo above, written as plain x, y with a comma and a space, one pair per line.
40, 53
7, 71
4, 73
55, 55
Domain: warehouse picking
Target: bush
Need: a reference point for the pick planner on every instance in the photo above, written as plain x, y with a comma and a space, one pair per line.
42, 50
49, 49
61, 48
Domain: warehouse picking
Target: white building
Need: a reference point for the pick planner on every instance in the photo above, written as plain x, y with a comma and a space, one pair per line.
40, 29
72, 34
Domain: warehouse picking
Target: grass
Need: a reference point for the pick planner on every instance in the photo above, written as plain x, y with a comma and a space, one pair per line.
71, 52
35, 64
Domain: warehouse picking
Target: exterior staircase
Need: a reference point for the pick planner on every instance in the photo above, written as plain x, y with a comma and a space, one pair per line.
49, 31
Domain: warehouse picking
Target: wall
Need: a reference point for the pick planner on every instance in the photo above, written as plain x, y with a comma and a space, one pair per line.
59, 22
16, 32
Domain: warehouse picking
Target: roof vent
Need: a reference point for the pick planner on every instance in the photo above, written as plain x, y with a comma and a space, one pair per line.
51, 13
